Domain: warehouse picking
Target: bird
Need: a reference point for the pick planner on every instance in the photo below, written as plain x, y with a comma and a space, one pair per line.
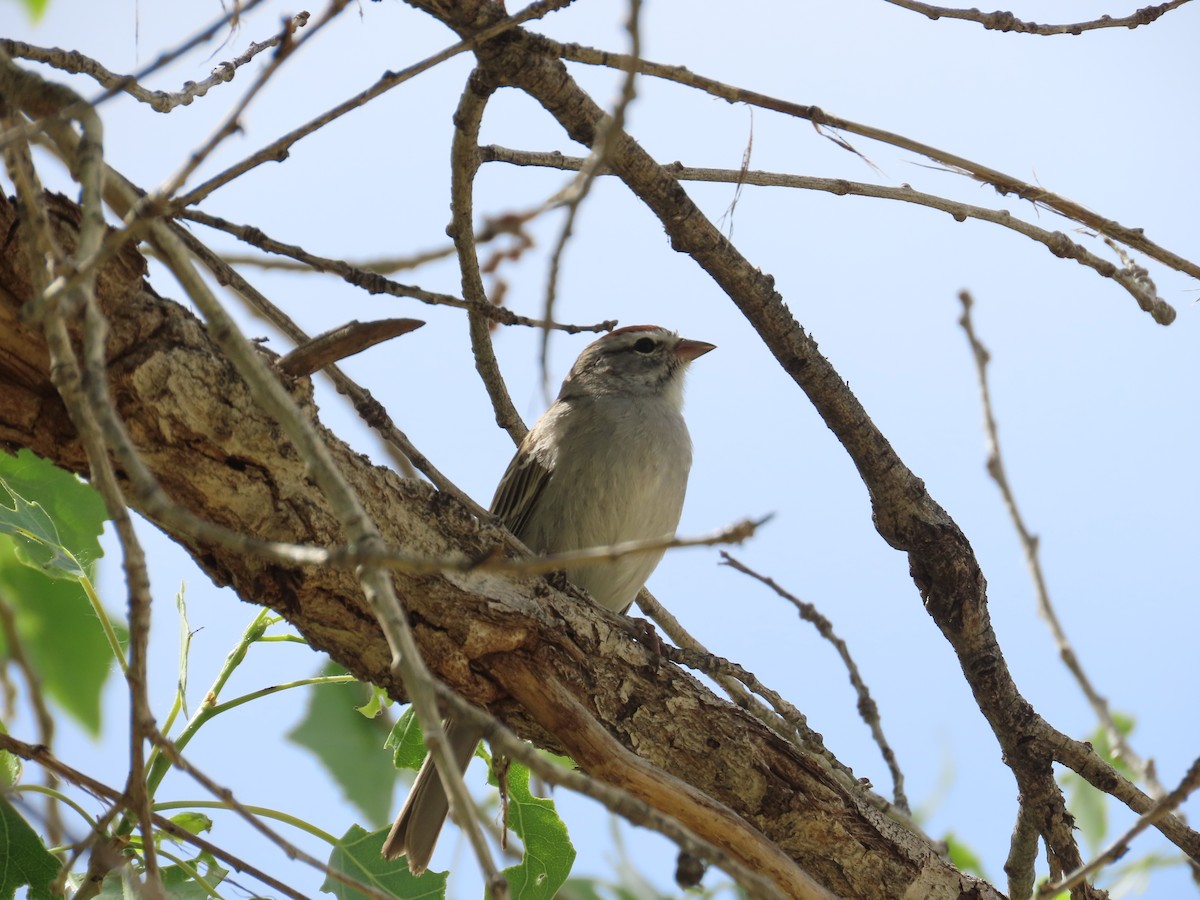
607, 462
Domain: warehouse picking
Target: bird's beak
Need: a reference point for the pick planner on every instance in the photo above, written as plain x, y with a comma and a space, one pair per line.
688, 350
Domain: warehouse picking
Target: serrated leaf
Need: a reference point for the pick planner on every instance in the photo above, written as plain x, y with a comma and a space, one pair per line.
26, 859
53, 519
75, 507
549, 853
61, 636
358, 854
348, 745
35, 536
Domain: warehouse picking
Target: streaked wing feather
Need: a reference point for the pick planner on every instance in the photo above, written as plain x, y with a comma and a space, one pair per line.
523, 481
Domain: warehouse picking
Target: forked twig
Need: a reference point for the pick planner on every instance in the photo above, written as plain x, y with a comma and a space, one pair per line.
866, 704
1029, 545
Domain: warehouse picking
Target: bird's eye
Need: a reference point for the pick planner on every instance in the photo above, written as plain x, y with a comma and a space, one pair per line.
645, 345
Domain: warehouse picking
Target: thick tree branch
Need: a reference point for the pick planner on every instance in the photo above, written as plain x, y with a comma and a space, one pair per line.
216, 452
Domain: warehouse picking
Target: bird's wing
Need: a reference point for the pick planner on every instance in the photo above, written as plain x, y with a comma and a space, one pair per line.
524, 480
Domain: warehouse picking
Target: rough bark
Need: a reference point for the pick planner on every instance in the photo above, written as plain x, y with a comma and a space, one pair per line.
214, 452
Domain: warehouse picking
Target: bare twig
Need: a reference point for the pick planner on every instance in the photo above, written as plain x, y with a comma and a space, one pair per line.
464, 163
1029, 546
732, 685
866, 704
82, 394
577, 192
14, 647
271, 396
74, 108
227, 798
1006, 21
1130, 276
287, 47
367, 275
278, 149
1190, 783
43, 757
160, 101
1004, 184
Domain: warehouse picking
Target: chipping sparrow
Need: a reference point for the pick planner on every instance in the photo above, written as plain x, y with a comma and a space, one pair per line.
606, 463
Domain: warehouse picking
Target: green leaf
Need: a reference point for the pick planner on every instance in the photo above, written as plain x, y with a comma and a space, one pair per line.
193, 822
26, 859
964, 858
35, 8
55, 517
61, 636
348, 745
357, 854
549, 853
406, 742
46, 548
377, 702
180, 885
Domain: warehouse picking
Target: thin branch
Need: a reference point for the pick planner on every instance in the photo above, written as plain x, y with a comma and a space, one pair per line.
69, 111
734, 687
1004, 184
42, 756
383, 265
866, 703
278, 150
225, 795
81, 394
367, 275
376, 584
1131, 277
464, 163
1030, 547
1006, 21
229, 126
579, 189
1119, 847
14, 647
160, 101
